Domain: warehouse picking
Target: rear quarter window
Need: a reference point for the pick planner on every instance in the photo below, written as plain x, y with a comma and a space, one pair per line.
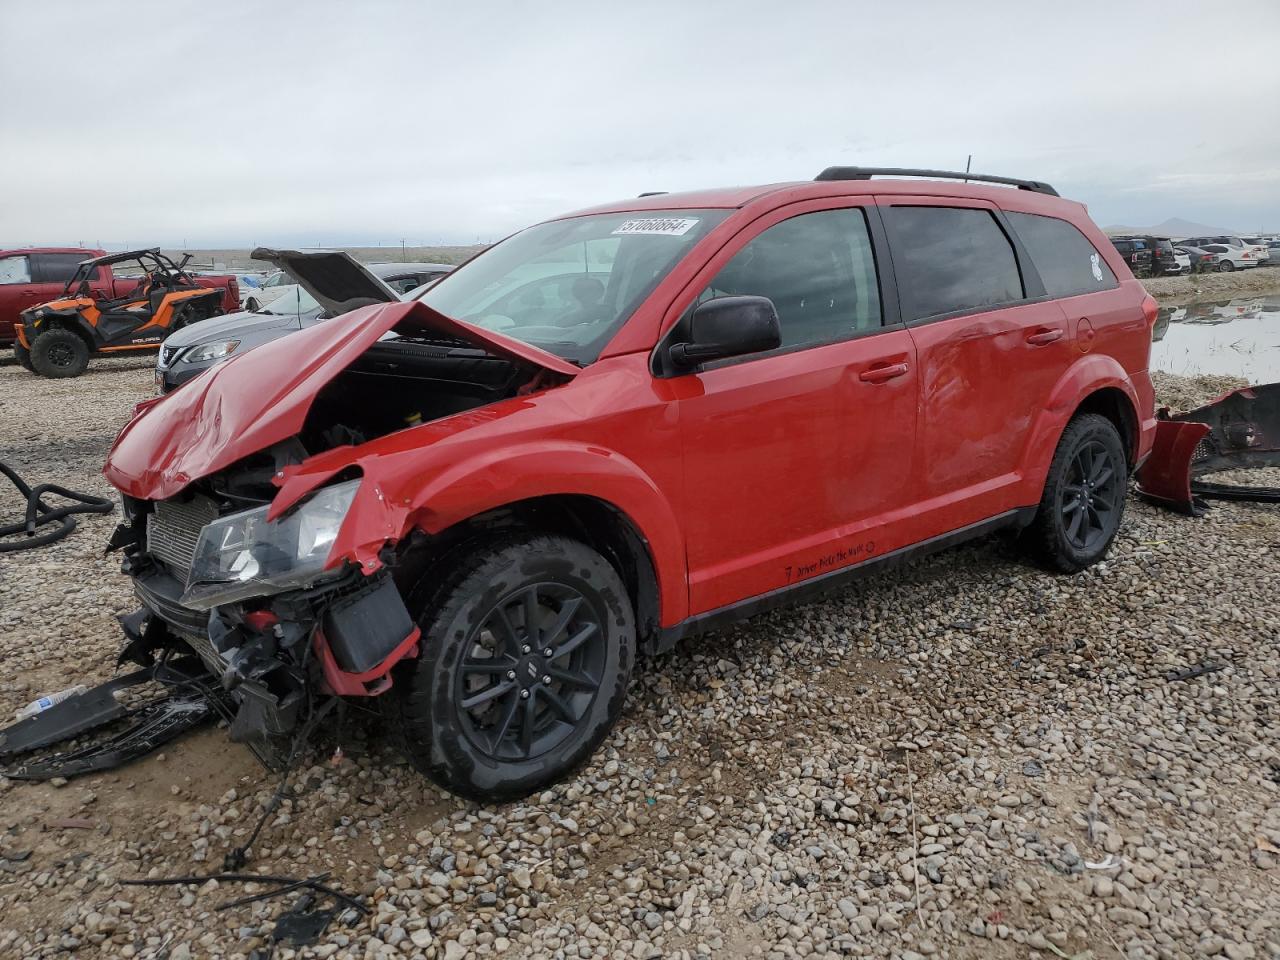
15, 270
950, 260
1067, 262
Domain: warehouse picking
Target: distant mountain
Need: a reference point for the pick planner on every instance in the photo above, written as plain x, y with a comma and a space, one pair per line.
1174, 227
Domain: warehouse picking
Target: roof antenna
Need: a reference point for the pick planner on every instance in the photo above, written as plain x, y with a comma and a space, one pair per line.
966, 167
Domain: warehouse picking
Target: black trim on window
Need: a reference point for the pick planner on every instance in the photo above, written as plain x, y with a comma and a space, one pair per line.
890, 310
1027, 273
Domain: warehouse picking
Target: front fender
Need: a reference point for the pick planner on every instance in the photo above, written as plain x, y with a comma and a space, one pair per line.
1089, 374
402, 493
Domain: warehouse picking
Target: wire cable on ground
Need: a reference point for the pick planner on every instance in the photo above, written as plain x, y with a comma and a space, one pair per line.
40, 514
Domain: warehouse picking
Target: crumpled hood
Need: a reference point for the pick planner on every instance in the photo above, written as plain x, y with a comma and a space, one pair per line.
231, 326
260, 398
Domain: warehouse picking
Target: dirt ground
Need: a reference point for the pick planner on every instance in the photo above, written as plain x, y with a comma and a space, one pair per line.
1175, 291
971, 758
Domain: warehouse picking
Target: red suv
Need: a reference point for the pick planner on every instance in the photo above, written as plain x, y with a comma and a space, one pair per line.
622, 427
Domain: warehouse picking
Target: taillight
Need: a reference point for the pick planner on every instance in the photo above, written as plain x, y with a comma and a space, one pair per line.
1150, 310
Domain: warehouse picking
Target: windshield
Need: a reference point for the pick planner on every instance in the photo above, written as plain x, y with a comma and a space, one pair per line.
567, 286
293, 300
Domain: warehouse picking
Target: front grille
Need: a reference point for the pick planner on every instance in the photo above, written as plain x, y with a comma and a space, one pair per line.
174, 527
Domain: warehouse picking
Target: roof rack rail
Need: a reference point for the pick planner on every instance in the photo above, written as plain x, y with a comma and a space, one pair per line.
866, 173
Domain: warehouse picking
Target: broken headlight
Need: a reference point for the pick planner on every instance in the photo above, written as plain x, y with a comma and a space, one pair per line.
243, 555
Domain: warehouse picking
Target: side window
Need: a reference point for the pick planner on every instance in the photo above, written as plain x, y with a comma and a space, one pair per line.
15, 270
1067, 262
819, 271
55, 267
950, 259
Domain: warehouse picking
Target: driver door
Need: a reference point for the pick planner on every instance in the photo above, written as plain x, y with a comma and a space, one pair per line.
795, 459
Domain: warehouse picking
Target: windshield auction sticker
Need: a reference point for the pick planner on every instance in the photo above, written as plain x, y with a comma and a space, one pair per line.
658, 226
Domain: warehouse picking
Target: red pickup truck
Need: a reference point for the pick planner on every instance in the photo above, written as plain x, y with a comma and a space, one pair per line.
38, 275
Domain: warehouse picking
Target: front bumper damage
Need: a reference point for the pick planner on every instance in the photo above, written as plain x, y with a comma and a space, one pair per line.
1239, 430
262, 667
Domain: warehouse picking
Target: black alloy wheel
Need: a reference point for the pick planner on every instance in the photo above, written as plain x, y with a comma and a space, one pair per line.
1084, 495
532, 671
1089, 497
527, 646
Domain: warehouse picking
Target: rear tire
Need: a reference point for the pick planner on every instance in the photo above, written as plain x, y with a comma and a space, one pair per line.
23, 356
1226, 266
59, 353
527, 648
1083, 500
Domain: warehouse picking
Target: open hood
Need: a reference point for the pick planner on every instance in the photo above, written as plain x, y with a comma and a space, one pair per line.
337, 280
262, 397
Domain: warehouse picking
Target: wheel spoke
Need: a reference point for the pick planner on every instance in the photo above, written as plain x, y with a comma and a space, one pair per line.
1071, 505
487, 694
530, 600
561, 624
1072, 490
500, 626
1073, 528
582, 680
527, 718
504, 725
490, 667
559, 706
1104, 476
574, 642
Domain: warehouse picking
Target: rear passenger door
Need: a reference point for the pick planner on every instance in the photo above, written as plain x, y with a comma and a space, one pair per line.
797, 458
989, 348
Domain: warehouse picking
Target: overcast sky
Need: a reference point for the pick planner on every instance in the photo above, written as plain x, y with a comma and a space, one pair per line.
225, 123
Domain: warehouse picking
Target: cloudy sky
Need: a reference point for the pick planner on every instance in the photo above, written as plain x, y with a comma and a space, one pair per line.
226, 123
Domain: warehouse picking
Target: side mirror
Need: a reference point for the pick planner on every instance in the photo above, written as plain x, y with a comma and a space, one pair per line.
728, 327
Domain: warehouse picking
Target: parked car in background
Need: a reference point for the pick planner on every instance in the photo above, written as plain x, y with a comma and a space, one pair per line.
401, 277
327, 284
1137, 254
1201, 260
1261, 249
1163, 260
35, 275
485, 516
1257, 250
1232, 257
1183, 261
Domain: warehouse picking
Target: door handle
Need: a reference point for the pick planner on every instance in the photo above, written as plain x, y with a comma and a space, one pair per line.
879, 374
1041, 337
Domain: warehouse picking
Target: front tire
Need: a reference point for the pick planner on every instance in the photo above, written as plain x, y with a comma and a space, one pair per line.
59, 353
1083, 500
527, 651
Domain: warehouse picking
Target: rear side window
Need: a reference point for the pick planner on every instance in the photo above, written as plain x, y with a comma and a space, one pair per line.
950, 259
1067, 262
55, 267
14, 270
818, 270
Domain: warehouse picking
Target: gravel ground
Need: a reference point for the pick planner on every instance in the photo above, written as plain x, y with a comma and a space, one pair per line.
970, 758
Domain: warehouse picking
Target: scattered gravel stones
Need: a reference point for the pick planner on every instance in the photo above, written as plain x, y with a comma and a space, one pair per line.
966, 758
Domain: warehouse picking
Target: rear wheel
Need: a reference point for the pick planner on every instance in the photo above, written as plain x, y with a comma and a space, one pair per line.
1226, 266
23, 356
1083, 499
59, 353
526, 654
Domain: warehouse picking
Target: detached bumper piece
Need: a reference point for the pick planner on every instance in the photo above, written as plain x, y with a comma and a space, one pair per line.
190, 703
1239, 430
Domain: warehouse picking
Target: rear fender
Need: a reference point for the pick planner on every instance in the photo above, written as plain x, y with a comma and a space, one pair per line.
394, 499
1089, 374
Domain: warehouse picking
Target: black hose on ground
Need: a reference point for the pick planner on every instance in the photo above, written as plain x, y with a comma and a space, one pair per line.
41, 514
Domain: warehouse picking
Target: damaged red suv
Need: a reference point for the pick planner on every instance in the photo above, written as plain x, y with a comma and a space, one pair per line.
622, 427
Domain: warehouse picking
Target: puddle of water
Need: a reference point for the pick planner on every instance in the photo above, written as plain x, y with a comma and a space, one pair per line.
1238, 337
